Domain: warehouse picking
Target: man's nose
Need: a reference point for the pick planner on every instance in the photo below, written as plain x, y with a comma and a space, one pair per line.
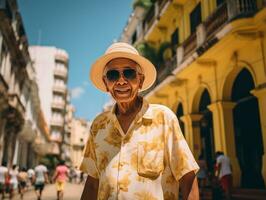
121, 79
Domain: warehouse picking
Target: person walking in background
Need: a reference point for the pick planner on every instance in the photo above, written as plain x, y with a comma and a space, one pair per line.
22, 179
31, 174
3, 178
40, 178
203, 171
224, 173
60, 176
13, 180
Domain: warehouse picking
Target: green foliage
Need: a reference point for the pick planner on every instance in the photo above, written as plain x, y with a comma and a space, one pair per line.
157, 57
146, 4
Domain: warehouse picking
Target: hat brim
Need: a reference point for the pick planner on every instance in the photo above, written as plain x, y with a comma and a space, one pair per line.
96, 72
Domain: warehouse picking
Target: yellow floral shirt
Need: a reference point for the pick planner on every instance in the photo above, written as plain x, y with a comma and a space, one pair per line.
145, 163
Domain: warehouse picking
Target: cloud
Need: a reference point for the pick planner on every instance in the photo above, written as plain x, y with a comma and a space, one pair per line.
85, 83
77, 92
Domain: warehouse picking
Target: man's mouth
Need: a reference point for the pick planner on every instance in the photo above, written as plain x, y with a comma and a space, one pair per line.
122, 90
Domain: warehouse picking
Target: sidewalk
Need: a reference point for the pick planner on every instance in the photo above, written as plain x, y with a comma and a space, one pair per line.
71, 192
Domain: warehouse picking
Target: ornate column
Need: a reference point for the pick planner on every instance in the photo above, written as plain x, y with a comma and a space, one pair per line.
224, 136
260, 93
192, 132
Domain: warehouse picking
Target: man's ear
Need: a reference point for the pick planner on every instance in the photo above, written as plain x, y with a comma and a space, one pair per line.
104, 81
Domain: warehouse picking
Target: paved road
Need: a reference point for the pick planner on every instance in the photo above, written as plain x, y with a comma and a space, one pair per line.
72, 192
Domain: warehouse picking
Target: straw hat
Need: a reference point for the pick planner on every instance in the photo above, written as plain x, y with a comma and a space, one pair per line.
122, 50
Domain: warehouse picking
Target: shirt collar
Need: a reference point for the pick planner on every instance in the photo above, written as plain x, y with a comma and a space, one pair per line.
143, 115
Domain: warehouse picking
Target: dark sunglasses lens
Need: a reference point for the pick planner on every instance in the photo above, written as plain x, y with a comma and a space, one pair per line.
112, 75
129, 74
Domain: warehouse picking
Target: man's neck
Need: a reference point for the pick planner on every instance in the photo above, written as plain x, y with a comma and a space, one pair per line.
129, 107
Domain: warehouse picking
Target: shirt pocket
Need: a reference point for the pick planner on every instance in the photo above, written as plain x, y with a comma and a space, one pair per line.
150, 159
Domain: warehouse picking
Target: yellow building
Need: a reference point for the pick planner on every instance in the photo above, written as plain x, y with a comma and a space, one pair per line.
212, 75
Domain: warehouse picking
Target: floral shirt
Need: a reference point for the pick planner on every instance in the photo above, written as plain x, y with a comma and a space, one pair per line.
145, 163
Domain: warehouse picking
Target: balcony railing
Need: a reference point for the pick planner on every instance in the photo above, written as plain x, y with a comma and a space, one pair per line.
161, 4
14, 101
150, 18
59, 88
241, 8
60, 72
57, 122
58, 105
216, 21
190, 44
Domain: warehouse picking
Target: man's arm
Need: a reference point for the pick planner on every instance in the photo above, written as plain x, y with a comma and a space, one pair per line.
189, 186
90, 190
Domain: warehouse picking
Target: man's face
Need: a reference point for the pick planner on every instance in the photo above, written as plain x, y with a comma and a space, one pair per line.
123, 79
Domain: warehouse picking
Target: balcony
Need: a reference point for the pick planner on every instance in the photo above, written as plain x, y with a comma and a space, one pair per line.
60, 105
215, 21
60, 89
149, 19
153, 15
57, 122
14, 101
190, 45
60, 72
28, 133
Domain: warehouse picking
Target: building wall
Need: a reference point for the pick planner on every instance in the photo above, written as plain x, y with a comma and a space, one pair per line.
51, 65
79, 136
44, 63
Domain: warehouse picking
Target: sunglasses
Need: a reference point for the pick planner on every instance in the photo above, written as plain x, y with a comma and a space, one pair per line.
114, 75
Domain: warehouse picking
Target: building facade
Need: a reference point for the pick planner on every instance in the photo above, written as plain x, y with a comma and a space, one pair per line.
79, 135
211, 71
21, 127
51, 65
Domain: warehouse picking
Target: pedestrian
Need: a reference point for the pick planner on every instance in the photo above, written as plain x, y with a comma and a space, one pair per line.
136, 150
31, 174
13, 180
40, 178
60, 176
22, 178
203, 171
3, 178
224, 173
81, 179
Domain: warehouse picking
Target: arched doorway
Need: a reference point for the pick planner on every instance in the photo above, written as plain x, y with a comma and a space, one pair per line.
247, 127
206, 130
179, 114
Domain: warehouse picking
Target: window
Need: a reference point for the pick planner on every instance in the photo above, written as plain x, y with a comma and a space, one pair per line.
175, 40
195, 18
219, 2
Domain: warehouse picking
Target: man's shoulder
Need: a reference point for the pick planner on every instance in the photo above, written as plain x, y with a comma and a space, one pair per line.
100, 121
101, 117
159, 108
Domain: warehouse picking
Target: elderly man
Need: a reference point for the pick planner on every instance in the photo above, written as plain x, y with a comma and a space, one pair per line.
136, 150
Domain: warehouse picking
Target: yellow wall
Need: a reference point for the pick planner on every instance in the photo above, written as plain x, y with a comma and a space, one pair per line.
244, 46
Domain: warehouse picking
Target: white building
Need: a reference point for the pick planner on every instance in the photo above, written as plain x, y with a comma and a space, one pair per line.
51, 66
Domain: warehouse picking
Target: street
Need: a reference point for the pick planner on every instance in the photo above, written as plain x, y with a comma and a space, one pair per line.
72, 192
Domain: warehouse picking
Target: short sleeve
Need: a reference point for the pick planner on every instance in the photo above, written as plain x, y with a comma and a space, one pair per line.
180, 158
88, 163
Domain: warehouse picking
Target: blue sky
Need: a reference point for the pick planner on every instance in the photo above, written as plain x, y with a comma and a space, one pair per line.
84, 28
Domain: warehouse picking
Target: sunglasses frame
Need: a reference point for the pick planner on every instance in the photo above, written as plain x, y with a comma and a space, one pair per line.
122, 73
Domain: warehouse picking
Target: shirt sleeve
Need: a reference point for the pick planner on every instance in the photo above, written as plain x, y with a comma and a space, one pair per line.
88, 163
180, 158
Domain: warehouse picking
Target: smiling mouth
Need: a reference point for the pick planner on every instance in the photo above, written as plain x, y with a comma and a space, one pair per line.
122, 90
